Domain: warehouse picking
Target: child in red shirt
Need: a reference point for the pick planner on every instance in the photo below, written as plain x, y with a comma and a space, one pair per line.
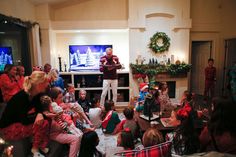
210, 78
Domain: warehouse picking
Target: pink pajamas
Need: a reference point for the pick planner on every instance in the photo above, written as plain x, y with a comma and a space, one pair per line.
74, 140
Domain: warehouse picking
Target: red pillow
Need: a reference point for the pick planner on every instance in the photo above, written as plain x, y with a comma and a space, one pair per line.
160, 150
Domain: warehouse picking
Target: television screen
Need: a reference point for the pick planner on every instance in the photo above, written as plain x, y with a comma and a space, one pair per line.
5, 57
86, 57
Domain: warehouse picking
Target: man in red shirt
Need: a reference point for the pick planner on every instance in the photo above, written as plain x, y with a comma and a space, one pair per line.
109, 65
210, 78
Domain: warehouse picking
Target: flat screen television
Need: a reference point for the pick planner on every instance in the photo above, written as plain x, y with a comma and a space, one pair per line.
86, 57
5, 57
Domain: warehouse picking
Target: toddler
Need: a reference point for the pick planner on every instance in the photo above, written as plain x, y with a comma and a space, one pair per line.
56, 112
69, 97
143, 91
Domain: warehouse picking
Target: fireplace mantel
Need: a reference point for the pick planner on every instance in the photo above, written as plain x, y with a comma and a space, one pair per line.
166, 75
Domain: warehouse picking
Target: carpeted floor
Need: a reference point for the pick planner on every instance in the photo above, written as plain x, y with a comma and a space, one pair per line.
108, 143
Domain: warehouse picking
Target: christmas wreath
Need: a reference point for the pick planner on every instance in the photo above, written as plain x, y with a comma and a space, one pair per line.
159, 42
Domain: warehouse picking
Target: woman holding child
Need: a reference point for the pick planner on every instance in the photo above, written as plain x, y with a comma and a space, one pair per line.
23, 117
220, 133
56, 131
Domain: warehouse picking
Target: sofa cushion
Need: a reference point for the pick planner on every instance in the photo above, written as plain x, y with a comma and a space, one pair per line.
160, 150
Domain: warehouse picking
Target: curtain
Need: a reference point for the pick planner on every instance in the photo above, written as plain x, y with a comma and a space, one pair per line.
35, 47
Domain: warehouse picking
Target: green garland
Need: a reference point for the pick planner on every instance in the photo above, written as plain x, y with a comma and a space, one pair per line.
155, 69
159, 42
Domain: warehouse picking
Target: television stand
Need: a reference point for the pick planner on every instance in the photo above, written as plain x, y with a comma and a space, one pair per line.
91, 81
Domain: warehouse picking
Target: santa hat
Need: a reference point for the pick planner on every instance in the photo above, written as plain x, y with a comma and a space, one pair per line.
143, 86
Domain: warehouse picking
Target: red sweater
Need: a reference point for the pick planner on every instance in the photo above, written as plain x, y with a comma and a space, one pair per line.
9, 87
210, 73
109, 74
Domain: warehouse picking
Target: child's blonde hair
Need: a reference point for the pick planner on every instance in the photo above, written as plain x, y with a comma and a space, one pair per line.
82, 91
53, 75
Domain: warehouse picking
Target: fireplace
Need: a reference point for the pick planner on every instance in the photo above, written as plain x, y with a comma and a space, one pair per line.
176, 85
171, 88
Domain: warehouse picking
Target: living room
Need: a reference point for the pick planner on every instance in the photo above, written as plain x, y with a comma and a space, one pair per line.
193, 26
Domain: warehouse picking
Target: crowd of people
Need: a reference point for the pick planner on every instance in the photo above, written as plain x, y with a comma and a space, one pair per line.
188, 137
37, 106
42, 107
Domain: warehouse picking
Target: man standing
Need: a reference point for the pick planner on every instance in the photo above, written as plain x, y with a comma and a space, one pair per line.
109, 65
210, 78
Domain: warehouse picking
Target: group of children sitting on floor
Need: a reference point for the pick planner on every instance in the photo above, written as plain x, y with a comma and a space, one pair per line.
73, 122
188, 137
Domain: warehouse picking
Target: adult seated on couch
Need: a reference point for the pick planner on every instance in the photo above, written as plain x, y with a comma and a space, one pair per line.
220, 134
23, 117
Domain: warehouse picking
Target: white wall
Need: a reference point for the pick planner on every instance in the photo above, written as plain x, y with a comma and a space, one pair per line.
148, 17
86, 15
119, 39
22, 9
91, 10
143, 19
213, 20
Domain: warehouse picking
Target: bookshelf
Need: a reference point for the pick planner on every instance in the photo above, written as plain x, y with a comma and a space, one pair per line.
92, 83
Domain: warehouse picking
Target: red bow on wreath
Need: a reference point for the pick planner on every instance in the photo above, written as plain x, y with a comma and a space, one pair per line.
184, 112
